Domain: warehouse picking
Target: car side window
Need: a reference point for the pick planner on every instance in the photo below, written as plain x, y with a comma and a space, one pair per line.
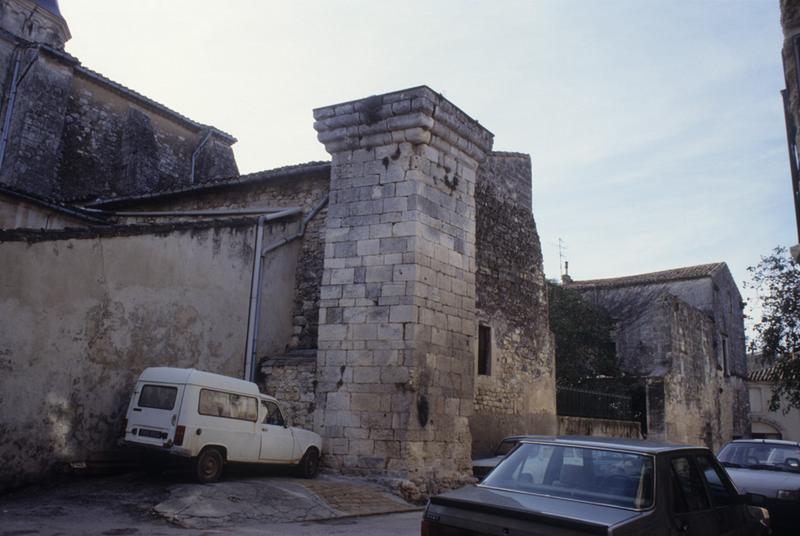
273, 414
688, 491
721, 495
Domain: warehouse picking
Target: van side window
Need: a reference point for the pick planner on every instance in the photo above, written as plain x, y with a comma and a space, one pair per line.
230, 405
158, 397
273, 415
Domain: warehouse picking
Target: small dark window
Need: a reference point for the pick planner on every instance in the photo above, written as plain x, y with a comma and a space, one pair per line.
484, 350
725, 368
158, 397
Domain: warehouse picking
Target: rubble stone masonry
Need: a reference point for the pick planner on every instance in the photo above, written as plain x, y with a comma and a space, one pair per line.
397, 318
517, 395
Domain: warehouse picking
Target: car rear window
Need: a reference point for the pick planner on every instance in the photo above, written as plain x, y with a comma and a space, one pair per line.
579, 473
158, 397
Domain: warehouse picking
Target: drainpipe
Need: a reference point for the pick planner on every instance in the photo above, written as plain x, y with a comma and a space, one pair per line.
12, 94
196, 153
255, 286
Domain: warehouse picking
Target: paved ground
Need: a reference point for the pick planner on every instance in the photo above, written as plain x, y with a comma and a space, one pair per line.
242, 503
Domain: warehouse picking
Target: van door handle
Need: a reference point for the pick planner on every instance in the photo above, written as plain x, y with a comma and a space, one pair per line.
137, 409
265, 429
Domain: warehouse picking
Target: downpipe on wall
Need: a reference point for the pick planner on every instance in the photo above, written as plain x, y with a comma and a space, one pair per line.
250, 361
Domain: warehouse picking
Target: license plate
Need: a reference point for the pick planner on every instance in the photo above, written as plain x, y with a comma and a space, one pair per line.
152, 433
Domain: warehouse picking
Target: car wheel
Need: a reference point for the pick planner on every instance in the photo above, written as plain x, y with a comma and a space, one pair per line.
209, 466
309, 464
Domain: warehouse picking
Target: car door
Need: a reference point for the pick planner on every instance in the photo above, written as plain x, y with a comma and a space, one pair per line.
731, 519
277, 440
691, 510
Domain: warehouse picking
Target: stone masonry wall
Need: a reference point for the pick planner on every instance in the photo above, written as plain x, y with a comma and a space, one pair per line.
518, 394
397, 310
292, 380
75, 135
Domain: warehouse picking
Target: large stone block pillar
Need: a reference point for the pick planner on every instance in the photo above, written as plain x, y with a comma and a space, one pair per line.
397, 330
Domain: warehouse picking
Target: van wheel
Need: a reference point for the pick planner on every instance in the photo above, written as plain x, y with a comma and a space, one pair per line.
309, 464
209, 466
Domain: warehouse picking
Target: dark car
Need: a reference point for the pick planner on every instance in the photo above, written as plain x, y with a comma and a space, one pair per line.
768, 467
587, 485
482, 466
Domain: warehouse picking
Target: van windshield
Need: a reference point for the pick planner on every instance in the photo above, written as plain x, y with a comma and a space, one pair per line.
158, 397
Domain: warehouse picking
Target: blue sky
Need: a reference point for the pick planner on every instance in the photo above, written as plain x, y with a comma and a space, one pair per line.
655, 127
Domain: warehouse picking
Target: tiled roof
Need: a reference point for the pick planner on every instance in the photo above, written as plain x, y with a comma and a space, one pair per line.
664, 276
250, 178
762, 375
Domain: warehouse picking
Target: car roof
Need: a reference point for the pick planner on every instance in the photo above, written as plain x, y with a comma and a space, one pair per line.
617, 443
775, 442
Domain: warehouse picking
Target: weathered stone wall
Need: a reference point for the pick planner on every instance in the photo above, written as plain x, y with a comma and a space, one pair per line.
292, 379
518, 395
718, 301
397, 311
83, 316
25, 19
696, 409
76, 135
116, 147
598, 427
32, 154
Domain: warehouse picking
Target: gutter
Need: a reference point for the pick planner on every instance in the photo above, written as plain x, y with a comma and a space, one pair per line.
171, 213
255, 285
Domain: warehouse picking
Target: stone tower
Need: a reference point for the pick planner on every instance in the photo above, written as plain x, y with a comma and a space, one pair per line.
39, 21
397, 334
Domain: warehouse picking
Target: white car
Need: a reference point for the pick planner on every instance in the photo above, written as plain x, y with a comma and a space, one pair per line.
215, 419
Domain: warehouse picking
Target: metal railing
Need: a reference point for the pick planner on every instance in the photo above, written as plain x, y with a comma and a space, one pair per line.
575, 402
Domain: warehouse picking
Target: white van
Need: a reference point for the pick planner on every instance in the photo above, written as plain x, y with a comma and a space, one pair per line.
215, 419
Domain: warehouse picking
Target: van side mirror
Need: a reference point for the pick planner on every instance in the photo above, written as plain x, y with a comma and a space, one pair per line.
794, 463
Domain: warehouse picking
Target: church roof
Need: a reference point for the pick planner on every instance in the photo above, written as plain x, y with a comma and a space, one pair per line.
49, 5
676, 274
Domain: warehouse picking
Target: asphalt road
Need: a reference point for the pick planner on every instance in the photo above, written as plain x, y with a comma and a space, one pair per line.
136, 504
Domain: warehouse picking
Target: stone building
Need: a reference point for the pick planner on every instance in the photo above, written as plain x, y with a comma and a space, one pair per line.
681, 332
394, 296
790, 22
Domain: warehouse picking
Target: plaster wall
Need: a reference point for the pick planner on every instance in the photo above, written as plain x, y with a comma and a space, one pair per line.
17, 214
766, 421
83, 316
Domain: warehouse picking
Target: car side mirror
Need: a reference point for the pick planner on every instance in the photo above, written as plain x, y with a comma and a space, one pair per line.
754, 499
794, 463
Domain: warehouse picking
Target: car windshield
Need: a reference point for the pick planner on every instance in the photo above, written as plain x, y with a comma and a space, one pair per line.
771, 456
585, 474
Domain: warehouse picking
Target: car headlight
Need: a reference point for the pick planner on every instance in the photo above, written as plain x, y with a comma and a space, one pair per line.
789, 495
